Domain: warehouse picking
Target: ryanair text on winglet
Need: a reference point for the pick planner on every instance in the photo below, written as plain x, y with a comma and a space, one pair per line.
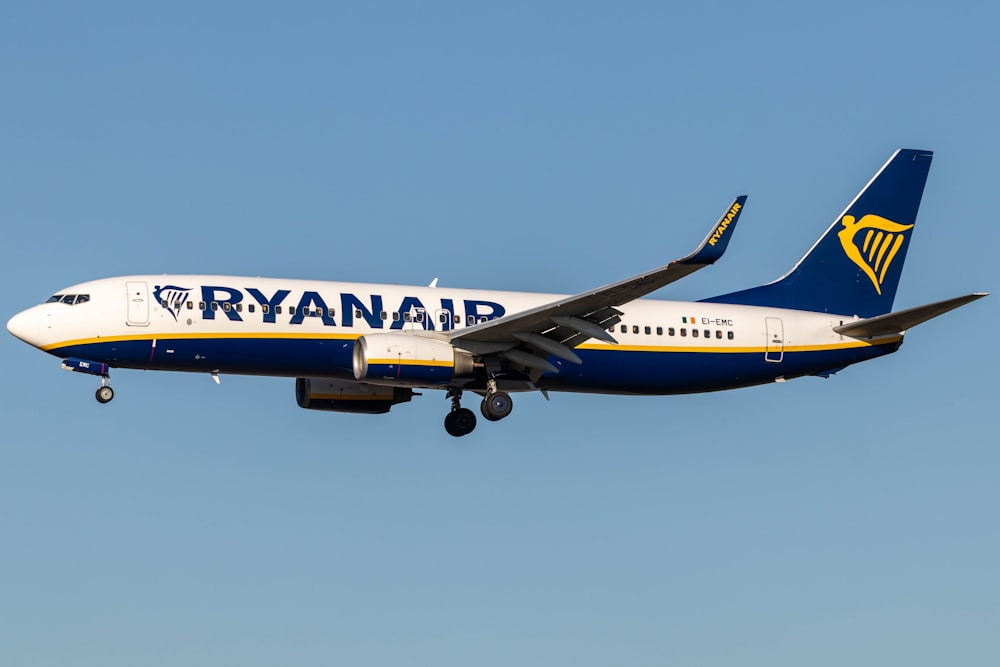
721, 229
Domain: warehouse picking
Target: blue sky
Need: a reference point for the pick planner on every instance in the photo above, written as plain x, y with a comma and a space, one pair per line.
554, 147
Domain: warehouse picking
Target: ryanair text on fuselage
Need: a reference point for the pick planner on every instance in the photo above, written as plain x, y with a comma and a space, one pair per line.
233, 303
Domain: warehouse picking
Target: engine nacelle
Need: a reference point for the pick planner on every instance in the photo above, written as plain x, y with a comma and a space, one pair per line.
338, 396
409, 359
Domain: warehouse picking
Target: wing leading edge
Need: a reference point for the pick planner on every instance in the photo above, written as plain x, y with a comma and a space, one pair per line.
566, 323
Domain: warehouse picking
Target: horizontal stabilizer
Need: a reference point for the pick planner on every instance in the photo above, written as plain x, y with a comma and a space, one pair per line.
900, 321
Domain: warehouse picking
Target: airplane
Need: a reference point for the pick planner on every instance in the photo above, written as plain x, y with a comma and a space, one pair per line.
364, 348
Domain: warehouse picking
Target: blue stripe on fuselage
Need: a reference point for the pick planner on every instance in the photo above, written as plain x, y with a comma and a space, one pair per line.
606, 370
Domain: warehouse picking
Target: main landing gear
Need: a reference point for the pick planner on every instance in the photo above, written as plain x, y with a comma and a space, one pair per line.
461, 421
496, 404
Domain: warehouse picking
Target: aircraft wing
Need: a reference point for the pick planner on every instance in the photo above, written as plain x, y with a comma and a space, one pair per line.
566, 323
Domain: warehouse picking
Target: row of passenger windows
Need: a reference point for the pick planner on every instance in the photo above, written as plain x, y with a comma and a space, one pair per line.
671, 331
71, 299
317, 312
406, 317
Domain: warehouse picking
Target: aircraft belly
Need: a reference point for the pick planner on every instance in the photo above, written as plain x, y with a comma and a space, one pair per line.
603, 370
653, 372
245, 356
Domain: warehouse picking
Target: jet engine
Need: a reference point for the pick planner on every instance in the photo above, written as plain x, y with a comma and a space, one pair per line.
409, 359
339, 396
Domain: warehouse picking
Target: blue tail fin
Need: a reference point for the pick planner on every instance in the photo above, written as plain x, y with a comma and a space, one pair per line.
854, 268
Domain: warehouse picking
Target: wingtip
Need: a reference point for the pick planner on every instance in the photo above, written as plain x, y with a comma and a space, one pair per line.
714, 245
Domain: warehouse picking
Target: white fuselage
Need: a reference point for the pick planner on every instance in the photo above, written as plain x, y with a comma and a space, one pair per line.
299, 328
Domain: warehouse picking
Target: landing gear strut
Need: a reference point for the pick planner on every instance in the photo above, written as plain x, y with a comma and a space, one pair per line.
460, 421
497, 404
105, 393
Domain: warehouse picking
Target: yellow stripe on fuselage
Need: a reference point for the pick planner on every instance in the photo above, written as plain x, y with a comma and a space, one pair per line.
732, 349
712, 349
203, 336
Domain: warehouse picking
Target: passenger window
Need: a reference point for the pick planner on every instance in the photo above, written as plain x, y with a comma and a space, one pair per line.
648, 330
684, 332
163, 304
201, 305
659, 331
670, 331
239, 308
226, 306
708, 333
635, 328
443, 318
395, 317
694, 333
458, 319
730, 335
483, 318
357, 313
384, 315
471, 319
420, 317
277, 310
264, 308
407, 317
332, 312
624, 328
190, 305
250, 308
718, 334
215, 305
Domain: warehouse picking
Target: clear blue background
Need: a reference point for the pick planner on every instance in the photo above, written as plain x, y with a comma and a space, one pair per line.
527, 146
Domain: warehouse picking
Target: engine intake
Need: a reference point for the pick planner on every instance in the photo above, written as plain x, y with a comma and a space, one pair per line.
409, 359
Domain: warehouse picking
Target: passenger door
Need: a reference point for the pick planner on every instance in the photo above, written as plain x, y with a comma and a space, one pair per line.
137, 294
775, 347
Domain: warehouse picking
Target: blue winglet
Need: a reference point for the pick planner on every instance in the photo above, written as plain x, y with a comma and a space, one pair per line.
715, 243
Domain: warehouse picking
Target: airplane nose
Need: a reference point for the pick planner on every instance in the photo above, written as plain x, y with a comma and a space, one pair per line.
24, 325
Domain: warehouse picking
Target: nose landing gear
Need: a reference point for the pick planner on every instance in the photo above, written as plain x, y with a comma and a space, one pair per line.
105, 393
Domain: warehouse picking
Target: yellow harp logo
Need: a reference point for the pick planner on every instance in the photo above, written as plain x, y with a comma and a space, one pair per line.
877, 249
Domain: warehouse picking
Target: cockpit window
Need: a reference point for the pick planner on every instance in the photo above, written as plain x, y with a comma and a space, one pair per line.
69, 299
